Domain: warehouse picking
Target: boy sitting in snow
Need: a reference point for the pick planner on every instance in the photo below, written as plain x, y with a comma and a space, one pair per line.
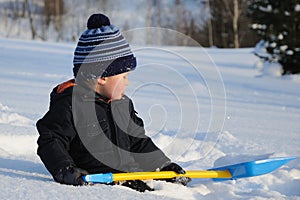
91, 126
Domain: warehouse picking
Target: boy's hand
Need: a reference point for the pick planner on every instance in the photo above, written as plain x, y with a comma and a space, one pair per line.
137, 185
71, 176
173, 167
176, 168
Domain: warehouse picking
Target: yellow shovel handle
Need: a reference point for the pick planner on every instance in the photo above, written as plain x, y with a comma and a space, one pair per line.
171, 174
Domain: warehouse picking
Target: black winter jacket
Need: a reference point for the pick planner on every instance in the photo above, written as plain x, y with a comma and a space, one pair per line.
85, 130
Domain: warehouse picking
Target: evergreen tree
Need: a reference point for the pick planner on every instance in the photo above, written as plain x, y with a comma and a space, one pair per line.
278, 24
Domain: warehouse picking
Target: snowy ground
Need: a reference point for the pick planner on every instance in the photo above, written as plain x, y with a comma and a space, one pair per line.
201, 112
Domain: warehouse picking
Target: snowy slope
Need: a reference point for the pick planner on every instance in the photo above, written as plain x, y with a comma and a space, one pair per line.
203, 109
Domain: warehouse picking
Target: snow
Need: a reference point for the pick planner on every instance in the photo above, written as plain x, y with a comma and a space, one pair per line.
266, 9
280, 36
283, 47
204, 107
289, 52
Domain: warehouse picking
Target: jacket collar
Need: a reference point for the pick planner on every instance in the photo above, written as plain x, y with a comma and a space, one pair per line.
87, 95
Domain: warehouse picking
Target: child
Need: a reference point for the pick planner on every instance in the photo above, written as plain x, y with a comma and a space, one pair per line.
91, 126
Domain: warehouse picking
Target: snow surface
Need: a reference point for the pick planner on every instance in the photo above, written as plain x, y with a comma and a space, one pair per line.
204, 107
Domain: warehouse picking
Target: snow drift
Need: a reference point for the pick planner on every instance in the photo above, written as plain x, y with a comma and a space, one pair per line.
257, 115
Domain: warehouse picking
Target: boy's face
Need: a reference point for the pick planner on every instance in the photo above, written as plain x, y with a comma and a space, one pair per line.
114, 87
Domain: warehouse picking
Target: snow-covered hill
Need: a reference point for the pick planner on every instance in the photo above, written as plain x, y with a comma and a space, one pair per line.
203, 107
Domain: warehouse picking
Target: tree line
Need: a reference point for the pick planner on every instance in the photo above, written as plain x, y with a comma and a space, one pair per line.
218, 23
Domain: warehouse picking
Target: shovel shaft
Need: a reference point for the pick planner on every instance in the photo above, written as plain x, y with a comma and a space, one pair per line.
171, 174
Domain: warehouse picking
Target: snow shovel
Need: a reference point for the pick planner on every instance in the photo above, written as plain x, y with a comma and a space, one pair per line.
230, 172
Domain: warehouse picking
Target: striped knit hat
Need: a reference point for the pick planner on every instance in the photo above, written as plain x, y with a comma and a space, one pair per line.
102, 50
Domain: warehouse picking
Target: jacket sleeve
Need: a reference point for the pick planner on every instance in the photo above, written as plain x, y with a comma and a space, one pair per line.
56, 131
145, 152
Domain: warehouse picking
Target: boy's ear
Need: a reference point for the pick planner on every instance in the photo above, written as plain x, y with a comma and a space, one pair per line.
101, 81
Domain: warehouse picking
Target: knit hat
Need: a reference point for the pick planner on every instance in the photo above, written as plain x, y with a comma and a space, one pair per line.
102, 50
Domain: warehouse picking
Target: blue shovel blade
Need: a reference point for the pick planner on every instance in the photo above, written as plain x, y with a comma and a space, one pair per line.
254, 168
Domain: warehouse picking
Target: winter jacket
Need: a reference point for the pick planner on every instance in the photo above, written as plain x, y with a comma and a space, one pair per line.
84, 129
